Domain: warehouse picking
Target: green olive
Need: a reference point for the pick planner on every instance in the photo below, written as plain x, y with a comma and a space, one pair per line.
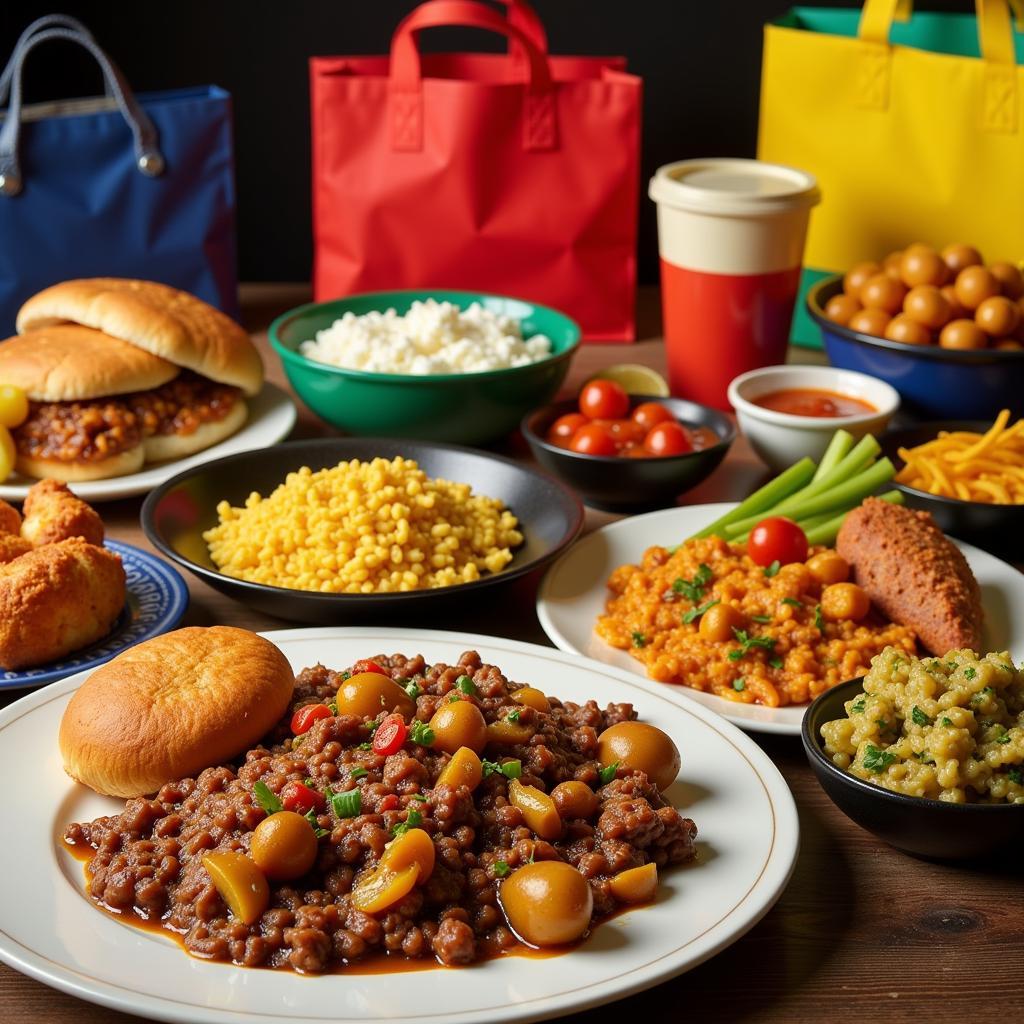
547, 903
367, 694
643, 747
458, 724
284, 845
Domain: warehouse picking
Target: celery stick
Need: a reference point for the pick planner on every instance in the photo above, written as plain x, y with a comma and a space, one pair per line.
825, 532
786, 483
841, 496
841, 443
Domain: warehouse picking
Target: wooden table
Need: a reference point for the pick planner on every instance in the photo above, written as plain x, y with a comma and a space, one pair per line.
863, 933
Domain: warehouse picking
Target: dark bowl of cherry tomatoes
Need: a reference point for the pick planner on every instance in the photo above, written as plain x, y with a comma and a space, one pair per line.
621, 451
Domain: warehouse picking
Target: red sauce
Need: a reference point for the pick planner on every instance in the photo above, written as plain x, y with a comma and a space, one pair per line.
812, 402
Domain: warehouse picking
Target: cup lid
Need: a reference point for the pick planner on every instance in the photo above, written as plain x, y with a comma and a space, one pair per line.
733, 187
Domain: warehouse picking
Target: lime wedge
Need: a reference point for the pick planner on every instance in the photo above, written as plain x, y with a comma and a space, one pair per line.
635, 379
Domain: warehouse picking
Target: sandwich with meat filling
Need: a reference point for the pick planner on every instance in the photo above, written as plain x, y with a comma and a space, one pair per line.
120, 373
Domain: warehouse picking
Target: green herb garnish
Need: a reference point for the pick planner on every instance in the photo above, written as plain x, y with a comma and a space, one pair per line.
453, 698
345, 675
693, 590
412, 820
607, 773
775, 663
1005, 738
982, 694
793, 602
309, 781
739, 685
348, 804
365, 746
266, 798
419, 798
773, 569
918, 717
1017, 776
513, 716
421, 733
413, 690
639, 640
466, 685
501, 869
746, 642
859, 705
761, 618
332, 706
510, 769
946, 722
696, 613
876, 760
969, 672
819, 622
319, 832
925, 758
357, 773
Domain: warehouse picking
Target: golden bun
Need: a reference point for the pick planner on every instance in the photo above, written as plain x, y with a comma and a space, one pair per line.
161, 447
172, 706
130, 461
161, 320
70, 363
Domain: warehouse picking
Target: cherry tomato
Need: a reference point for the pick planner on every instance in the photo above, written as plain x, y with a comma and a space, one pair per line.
650, 414
669, 438
635, 451
603, 400
777, 539
390, 735
365, 665
625, 432
303, 719
593, 439
564, 427
389, 803
298, 797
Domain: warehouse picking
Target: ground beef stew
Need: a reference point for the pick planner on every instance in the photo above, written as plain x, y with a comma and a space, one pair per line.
371, 783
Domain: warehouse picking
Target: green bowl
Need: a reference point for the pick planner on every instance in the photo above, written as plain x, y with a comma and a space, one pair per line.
461, 408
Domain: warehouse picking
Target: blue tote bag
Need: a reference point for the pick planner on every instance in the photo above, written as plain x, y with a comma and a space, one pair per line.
116, 186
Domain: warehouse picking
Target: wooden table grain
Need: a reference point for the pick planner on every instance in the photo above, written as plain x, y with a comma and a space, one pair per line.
863, 932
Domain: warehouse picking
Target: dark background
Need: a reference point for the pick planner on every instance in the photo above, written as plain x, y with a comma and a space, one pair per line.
700, 61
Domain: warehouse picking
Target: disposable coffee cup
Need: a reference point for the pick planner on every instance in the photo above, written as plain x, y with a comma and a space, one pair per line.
731, 240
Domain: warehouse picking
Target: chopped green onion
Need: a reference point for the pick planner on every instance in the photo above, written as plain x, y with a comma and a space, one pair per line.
510, 769
412, 820
739, 685
793, 602
357, 773
607, 774
311, 817
513, 716
348, 804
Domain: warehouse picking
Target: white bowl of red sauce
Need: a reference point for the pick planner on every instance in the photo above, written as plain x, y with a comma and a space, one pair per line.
787, 412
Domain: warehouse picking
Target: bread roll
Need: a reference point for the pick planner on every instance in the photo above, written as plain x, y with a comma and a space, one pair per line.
130, 461
162, 320
172, 706
68, 363
160, 447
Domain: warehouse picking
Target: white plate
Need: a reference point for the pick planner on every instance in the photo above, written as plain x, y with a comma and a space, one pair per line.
573, 595
271, 418
747, 841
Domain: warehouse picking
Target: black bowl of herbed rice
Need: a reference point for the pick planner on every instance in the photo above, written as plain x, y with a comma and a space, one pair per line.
926, 753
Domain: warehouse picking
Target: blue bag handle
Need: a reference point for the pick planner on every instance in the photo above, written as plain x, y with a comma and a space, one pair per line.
147, 152
37, 26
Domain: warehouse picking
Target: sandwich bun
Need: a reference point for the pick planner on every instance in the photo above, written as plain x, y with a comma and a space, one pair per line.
130, 461
164, 321
172, 706
161, 447
70, 363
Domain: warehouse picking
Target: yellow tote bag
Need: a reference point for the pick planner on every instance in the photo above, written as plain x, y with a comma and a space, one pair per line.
913, 125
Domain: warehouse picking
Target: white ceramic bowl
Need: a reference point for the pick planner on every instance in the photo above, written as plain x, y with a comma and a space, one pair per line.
781, 438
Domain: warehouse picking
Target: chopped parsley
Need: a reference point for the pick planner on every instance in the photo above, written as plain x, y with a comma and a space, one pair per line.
819, 622
332, 706
1005, 738
1017, 776
969, 672
510, 769
348, 804
412, 820
696, 613
453, 698
421, 733
466, 685
419, 797
882, 724
357, 773
775, 663
876, 760
773, 569
501, 869
413, 690
365, 746
761, 618
739, 685
946, 722
513, 716
319, 832
309, 782
607, 774
747, 642
639, 640
693, 590
918, 717
266, 798
793, 602
981, 695
925, 758
859, 704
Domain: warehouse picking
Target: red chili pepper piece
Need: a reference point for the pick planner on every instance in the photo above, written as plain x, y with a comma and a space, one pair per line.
365, 665
298, 797
390, 735
388, 803
303, 719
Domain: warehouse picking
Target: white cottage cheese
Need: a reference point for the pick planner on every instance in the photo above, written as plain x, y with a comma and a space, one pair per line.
433, 337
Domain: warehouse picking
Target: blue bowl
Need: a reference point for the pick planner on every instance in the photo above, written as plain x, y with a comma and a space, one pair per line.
933, 382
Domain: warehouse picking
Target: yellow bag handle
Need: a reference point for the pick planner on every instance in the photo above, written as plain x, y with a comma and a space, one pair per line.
995, 30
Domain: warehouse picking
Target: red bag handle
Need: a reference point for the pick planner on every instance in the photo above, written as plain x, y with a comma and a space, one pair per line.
526, 19
406, 83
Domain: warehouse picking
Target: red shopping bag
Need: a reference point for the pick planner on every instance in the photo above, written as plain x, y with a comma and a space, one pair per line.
516, 174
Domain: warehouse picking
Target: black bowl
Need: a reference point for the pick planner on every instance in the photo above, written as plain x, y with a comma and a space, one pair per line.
175, 515
925, 828
614, 483
932, 381
996, 528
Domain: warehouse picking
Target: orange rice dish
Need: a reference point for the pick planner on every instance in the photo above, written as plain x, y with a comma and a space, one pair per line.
782, 651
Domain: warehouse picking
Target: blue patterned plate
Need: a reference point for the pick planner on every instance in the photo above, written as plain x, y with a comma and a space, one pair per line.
157, 599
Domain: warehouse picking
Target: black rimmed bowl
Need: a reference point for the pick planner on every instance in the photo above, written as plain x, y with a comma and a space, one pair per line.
995, 528
925, 828
617, 484
177, 513
933, 382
